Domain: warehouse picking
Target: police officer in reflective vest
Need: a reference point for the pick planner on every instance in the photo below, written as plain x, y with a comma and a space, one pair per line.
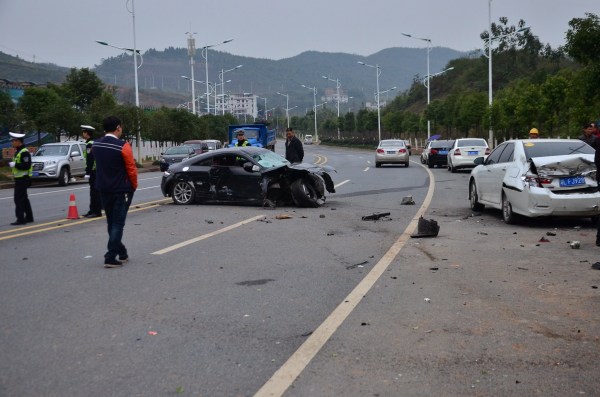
241, 138
22, 169
90, 172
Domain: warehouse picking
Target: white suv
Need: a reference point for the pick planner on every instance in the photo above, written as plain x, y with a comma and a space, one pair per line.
61, 161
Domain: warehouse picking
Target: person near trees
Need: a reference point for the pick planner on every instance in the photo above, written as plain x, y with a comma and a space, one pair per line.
87, 131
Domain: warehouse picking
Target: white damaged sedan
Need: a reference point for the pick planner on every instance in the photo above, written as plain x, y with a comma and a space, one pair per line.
537, 177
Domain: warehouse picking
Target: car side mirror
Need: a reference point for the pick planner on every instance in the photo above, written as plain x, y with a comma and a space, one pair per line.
479, 160
249, 167
75, 153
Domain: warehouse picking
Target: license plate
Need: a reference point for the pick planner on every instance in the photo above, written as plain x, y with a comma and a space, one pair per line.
443, 152
35, 173
473, 152
391, 152
572, 181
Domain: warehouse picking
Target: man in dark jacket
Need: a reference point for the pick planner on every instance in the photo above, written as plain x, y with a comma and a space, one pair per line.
87, 132
116, 179
294, 151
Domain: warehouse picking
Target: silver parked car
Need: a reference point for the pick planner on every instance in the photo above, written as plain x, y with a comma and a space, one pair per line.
537, 177
391, 151
59, 161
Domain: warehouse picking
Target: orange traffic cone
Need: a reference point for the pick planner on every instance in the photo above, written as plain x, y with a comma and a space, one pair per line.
73, 214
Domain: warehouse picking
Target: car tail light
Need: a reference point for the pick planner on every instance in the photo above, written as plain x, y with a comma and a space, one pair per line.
457, 152
535, 181
433, 151
487, 151
402, 151
380, 151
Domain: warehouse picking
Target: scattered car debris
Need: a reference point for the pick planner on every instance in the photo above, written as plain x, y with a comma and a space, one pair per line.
209, 221
544, 240
361, 264
482, 233
152, 333
407, 200
375, 216
322, 216
251, 283
330, 233
550, 233
575, 244
427, 228
265, 220
427, 300
596, 266
434, 268
283, 216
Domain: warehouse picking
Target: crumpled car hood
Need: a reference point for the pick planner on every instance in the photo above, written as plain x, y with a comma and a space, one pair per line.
571, 164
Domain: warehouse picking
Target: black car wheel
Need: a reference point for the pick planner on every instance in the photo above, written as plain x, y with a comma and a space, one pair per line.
507, 213
474, 198
64, 177
304, 194
182, 193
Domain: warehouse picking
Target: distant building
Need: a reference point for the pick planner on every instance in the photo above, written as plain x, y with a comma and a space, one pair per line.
331, 95
240, 105
15, 89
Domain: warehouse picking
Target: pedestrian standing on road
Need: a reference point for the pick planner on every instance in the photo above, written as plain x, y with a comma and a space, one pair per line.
294, 151
534, 133
22, 169
87, 131
116, 179
241, 138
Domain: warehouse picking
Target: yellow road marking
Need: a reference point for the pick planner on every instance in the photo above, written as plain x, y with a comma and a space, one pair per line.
283, 378
205, 236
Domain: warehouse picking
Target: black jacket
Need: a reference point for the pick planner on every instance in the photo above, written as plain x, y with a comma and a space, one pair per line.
294, 151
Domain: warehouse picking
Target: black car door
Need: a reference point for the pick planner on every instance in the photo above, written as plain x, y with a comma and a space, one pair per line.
233, 182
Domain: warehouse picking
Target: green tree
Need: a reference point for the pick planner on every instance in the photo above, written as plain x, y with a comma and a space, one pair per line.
7, 112
82, 87
45, 110
583, 39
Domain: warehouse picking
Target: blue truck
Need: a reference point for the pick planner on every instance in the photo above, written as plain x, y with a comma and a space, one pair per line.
258, 135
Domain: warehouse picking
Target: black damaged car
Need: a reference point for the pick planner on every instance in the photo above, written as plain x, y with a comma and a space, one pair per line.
246, 175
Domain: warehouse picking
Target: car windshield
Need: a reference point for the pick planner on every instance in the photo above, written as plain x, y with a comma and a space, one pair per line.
391, 143
54, 150
211, 145
269, 159
471, 142
439, 144
177, 150
558, 148
251, 134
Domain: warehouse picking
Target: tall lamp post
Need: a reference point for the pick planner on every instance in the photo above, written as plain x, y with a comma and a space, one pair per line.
314, 90
199, 82
205, 56
378, 69
337, 86
287, 107
221, 75
428, 75
191, 42
266, 116
135, 53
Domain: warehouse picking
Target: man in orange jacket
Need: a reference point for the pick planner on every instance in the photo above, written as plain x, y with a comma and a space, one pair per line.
116, 179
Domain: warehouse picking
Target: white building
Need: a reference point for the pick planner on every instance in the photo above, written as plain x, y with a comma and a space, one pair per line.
240, 105
331, 95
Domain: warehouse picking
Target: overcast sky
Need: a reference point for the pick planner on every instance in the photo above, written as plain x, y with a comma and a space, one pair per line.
64, 31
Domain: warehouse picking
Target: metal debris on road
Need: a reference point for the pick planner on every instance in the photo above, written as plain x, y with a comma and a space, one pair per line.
375, 216
550, 233
427, 300
283, 216
575, 244
407, 200
544, 240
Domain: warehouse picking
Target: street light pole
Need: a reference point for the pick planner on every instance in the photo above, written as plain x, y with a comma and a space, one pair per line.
221, 77
378, 69
266, 116
337, 86
191, 42
314, 90
287, 107
205, 56
428, 76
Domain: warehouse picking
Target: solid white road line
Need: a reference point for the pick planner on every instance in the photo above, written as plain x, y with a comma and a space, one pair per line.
205, 236
283, 378
341, 183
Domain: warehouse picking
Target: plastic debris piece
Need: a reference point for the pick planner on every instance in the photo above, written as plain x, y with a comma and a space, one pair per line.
550, 233
153, 333
575, 244
375, 216
544, 240
407, 200
427, 300
283, 216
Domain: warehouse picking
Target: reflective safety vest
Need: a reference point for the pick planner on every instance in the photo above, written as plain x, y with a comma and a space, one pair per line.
246, 143
88, 149
17, 159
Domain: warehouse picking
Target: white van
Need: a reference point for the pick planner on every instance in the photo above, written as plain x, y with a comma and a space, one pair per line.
308, 139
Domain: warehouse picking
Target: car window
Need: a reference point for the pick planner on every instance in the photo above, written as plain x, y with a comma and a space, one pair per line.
82, 148
508, 154
269, 159
206, 162
391, 143
471, 142
494, 157
53, 150
178, 150
441, 144
556, 148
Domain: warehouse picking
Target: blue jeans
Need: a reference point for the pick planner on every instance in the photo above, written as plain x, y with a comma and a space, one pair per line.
116, 206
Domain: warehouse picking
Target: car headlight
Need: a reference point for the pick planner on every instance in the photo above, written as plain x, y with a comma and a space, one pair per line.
162, 160
49, 162
167, 173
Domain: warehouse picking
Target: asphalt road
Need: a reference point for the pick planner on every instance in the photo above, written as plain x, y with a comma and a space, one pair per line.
231, 301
